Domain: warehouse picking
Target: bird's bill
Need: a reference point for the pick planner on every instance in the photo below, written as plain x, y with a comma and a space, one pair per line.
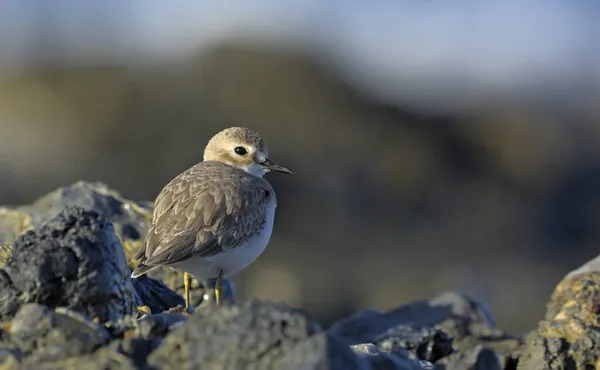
274, 166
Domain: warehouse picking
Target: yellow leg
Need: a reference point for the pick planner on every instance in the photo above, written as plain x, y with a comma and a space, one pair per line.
219, 287
186, 286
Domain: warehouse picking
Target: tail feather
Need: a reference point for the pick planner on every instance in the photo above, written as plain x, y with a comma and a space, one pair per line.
141, 269
141, 252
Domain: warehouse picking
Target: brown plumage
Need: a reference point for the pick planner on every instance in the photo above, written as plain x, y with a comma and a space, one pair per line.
209, 208
216, 217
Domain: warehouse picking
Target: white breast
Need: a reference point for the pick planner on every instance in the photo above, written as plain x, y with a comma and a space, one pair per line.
234, 260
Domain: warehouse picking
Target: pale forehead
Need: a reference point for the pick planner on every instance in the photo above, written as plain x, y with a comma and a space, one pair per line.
244, 136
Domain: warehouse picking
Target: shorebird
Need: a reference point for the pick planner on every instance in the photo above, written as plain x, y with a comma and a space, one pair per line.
216, 218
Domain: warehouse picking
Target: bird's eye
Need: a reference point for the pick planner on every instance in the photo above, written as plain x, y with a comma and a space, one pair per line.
240, 150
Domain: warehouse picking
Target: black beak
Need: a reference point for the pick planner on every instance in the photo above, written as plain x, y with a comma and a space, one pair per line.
274, 166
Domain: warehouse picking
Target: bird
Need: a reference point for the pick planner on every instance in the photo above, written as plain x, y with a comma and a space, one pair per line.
215, 218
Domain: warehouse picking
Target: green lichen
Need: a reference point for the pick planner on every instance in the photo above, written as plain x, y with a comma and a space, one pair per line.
13, 222
4, 253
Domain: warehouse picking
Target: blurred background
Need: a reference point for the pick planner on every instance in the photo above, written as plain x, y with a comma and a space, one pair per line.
436, 145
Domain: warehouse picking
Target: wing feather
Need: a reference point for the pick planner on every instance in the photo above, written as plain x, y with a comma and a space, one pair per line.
209, 208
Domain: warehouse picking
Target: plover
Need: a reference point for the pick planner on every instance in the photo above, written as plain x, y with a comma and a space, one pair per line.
216, 218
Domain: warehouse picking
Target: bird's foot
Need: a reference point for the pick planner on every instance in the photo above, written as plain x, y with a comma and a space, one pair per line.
144, 310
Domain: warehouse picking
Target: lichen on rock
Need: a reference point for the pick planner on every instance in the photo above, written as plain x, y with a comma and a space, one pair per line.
569, 335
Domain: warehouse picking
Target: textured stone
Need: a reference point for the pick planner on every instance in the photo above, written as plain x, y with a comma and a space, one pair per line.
254, 335
155, 294
75, 260
444, 330
44, 335
423, 343
381, 360
569, 335
130, 219
13, 222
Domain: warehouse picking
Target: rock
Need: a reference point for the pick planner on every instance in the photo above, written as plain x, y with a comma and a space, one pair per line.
9, 359
155, 294
74, 260
102, 359
44, 335
425, 343
13, 222
380, 360
136, 349
67, 301
157, 326
9, 296
569, 335
252, 335
475, 337
487, 359
130, 219
450, 330
5, 250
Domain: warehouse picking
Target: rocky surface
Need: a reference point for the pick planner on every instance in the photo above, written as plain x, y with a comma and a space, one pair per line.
67, 302
129, 218
569, 335
75, 260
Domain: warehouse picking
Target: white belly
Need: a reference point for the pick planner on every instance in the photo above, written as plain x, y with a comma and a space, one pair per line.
230, 261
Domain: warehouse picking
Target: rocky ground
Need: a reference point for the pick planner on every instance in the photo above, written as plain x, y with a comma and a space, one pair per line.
67, 301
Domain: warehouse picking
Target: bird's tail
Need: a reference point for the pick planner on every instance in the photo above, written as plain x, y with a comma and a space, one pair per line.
141, 269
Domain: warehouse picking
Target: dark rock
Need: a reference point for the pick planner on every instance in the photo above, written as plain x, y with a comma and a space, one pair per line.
44, 335
9, 358
473, 331
380, 360
252, 335
13, 222
157, 326
155, 294
102, 359
423, 343
5, 250
74, 260
487, 359
569, 336
131, 219
464, 319
9, 300
136, 349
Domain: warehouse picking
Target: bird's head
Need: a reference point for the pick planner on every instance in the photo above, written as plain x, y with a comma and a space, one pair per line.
242, 148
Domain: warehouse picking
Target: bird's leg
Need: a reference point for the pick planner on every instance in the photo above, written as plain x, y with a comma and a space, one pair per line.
219, 287
186, 288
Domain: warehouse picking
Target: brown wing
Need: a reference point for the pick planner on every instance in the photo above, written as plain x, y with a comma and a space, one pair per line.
209, 208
